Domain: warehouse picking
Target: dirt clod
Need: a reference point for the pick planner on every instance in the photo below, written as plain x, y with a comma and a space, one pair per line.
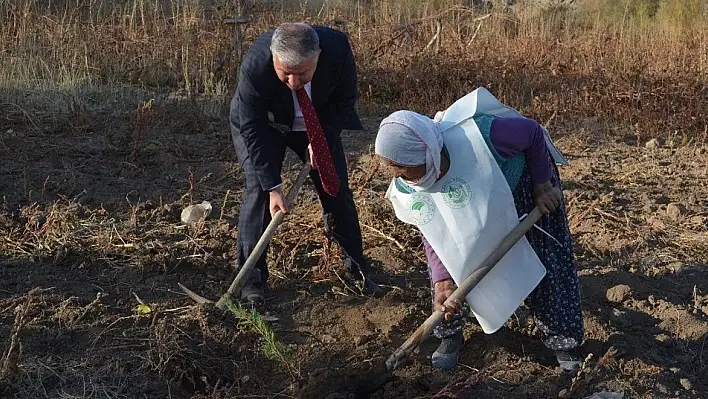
674, 210
618, 293
652, 144
686, 384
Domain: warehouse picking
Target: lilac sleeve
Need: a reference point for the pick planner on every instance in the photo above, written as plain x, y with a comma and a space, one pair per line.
435, 266
511, 136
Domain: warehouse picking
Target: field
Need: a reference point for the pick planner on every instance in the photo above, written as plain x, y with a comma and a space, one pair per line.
113, 118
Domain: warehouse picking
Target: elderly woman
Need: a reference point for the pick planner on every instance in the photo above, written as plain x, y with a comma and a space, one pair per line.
423, 155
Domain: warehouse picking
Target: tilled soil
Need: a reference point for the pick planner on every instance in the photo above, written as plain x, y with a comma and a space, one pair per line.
90, 229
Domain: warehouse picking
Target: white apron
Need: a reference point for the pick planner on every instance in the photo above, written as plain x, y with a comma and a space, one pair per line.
466, 215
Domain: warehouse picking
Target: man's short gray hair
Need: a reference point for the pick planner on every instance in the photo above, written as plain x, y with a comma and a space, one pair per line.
294, 43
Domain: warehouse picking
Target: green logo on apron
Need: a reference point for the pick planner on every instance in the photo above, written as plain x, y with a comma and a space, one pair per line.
456, 193
421, 208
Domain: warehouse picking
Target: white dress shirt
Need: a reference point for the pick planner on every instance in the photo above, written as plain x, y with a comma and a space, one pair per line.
299, 122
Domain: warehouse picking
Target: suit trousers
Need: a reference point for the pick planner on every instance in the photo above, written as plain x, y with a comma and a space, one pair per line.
254, 215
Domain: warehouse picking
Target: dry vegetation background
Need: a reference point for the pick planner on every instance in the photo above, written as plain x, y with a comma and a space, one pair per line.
113, 117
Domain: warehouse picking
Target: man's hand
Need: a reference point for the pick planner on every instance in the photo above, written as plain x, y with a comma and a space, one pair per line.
312, 157
277, 202
443, 290
547, 197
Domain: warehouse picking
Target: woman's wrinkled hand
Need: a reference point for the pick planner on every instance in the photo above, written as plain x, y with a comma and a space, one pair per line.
547, 197
443, 290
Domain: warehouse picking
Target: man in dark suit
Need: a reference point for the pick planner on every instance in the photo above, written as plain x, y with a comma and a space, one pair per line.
297, 89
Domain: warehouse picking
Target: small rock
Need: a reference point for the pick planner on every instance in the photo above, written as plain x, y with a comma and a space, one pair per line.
674, 370
705, 310
685, 383
674, 210
700, 151
618, 293
652, 144
328, 339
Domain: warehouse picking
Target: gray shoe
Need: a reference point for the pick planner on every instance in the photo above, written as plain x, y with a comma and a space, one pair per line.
445, 357
253, 293
569, 361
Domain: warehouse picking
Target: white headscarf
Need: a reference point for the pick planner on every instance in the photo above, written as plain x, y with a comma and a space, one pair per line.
411, 139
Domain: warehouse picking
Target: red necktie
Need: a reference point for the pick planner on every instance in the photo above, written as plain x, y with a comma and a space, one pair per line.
320, 149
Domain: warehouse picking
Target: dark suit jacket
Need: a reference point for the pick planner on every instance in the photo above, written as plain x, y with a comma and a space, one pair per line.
260, 92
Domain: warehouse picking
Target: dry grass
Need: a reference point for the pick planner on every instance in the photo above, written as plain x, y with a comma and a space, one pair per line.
640, 64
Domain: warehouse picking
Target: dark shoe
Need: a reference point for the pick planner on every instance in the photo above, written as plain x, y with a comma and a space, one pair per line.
445, 357
364, 284
253, 293
569, 361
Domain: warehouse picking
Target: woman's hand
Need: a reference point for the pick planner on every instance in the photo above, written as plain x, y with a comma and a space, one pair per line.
443, 290
547, 197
